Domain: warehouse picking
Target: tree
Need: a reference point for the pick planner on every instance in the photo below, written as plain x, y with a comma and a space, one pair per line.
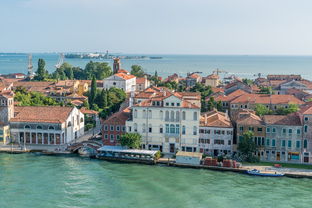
41, 73
92, 95
292, 108
97, 69
137, 70
102, 99
131, 140
266, 90
247, 146
262, 110
248, 81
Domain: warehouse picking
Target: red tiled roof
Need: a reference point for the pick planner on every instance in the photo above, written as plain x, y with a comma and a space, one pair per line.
87, 111
289, 120
125, 76
118, 118
140, 80
122, 71
267, 99
248, 118
41, 114
215, 119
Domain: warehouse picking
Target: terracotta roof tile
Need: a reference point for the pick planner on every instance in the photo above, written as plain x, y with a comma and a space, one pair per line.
289, 120
41, 114
125, 76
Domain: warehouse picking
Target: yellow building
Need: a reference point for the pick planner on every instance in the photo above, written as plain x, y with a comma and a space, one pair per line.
4, 134
212, 80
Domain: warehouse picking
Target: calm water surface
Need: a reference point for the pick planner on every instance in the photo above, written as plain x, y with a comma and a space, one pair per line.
27, 180
243, 66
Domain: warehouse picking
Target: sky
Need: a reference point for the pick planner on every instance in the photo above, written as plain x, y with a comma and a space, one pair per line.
242, 27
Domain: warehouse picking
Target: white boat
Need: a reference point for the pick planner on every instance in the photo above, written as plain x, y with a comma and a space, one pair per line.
264, 173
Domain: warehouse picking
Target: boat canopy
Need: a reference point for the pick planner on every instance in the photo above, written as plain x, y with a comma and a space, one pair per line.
120, 149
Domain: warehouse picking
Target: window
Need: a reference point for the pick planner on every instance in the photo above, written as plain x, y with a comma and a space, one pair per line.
177, 129
39, 127
143, 128
144, 113
305, 144
183, 115
161, 115
289, 143
178, 104
167, 116
167, 104
150, 114
167, 129
111, 127
69, 124
172, 104
112, 137
305, 128
284, 131
124, 128
298, 131
81, 120
289, 131
150, 130
306, 118
183, 130
259, 129
130, 129
273, 130
161, 129
298, 144
172, 116
273, 142
172, 129
51, 128
241, 128
194, 130
106, 136
229, 142
135, 127
177, 116
135, 114
105, 128
195, 116
268, 130
117, 128
267, 142
117, 137
250, 128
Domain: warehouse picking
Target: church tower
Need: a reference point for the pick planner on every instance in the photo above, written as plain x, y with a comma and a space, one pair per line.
116, 65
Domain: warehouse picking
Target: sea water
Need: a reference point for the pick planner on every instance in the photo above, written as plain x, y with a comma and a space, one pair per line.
29, 180
242, 66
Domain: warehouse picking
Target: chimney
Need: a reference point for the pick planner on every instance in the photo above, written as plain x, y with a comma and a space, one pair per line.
205, 115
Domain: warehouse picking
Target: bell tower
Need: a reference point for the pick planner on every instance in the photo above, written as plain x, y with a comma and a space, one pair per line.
116, 65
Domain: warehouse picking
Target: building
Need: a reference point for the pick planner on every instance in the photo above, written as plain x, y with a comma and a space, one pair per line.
284, 77
212, 80
215, 134
237, 85
46, 125
142, 83
273, 102
168, 121
305, 114
126, 82
116, 65
227, 99
192, 79
283, 141
6, 113
173, 78
114, 126
248, 121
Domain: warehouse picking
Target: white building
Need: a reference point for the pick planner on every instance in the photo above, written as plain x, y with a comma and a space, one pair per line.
191, 158
124, 81
48, 125
215, 134
167, 121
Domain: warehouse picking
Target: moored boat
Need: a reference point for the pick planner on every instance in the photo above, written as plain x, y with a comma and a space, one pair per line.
264, 173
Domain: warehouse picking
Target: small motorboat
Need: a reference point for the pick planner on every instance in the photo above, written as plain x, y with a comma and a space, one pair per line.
264, 173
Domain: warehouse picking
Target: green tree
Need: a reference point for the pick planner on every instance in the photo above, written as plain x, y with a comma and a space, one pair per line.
292, 108
266, 90
248, 81
41, 73
97, 69
137, 70
92, 95
102, 99
247, 147
131, 140
262, 110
